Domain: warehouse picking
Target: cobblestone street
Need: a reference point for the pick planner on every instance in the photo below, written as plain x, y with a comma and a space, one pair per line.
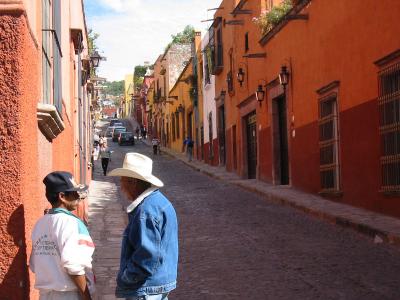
236, 245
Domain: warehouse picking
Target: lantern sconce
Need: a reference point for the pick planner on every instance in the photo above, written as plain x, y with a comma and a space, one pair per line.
284, 77
260, 92
240, 76
95, 58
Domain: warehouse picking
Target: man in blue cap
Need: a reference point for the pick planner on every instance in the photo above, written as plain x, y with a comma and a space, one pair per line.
62, 248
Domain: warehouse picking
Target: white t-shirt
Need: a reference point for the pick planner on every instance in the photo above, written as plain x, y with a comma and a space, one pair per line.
61, 245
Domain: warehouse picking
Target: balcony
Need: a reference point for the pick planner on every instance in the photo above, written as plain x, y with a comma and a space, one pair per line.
218, 59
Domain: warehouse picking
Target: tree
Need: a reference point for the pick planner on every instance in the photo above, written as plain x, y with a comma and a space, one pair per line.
138, 75
184, 37
92, 37
115, 88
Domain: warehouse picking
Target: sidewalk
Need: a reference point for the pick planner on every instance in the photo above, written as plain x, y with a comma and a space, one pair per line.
380, 227
106, 223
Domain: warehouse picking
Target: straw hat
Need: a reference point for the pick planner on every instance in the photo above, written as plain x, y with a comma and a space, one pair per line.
138, 166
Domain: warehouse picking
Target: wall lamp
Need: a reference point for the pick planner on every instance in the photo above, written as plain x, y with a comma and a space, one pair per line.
260, 92
284, 77
240, 76
95, 59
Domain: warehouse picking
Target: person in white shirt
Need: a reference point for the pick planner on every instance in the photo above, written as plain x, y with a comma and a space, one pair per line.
62, 248
155, 142
105, 155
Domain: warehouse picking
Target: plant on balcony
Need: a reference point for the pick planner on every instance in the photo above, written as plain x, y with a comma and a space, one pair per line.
269, 19
210, 60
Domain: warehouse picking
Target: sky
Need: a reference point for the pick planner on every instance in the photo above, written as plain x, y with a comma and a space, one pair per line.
134, 31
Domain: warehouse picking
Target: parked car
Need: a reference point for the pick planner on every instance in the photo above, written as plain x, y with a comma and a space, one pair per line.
118, 124
113, 121
126, 138
116, 132
109, 131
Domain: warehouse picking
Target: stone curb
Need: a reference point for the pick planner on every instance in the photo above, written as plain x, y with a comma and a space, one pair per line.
378, 234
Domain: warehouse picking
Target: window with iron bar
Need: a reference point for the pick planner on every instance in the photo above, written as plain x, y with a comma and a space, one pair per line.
51, 53
46, 52
57, 55
329, 144
389, 127
173, 126
177, 126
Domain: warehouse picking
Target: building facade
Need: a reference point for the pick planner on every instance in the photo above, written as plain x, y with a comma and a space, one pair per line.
45, 120
127, 106
210, 145
306, 113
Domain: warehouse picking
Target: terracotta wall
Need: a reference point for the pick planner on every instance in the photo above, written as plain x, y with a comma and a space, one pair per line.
21, 202
328, 47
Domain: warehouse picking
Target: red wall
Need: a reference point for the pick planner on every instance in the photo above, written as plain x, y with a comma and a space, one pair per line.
340, 41
21, 204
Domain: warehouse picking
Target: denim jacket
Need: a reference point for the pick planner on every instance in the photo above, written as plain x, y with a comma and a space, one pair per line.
149, 254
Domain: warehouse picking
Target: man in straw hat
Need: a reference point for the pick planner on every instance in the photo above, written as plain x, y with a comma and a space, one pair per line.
149, 254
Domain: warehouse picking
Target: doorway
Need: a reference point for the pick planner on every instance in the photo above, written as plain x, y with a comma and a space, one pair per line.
251, 134
280, 140
234, 150
221, 135
189, 126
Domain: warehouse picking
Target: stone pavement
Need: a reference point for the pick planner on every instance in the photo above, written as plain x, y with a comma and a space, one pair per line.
380, 227
235, 245
106, 224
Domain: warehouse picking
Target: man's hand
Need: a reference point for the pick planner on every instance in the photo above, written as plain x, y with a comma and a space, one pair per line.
80, 282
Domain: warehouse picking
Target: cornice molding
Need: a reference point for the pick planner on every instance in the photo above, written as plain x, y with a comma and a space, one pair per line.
49, 120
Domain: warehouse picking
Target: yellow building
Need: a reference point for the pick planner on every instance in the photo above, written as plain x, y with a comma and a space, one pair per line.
181, 118
128, 103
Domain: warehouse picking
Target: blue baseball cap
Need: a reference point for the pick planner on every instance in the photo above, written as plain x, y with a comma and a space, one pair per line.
60, 181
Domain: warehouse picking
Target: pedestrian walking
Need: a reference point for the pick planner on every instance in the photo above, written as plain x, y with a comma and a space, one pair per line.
144, 133
149, 254
102, 140
188, 142
156, 144
137, 131
62, 248
105, 155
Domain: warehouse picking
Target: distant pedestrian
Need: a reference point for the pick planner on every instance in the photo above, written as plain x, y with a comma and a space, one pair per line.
102, 140
105, 155
144, 133
189, 143
137, 131
156, 144
62, 248
149, 254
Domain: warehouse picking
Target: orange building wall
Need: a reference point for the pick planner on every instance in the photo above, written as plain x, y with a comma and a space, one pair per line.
21, 202
340, 41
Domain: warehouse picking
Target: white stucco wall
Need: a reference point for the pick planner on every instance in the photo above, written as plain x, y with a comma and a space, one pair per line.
208, 98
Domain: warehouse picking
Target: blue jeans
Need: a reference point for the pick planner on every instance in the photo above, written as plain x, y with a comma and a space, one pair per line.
150, 297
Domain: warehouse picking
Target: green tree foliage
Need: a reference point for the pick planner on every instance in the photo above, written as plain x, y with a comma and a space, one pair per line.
92, 37
184, 37
115, 88
138, 75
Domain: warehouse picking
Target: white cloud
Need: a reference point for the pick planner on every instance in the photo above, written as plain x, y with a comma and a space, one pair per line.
135, 31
